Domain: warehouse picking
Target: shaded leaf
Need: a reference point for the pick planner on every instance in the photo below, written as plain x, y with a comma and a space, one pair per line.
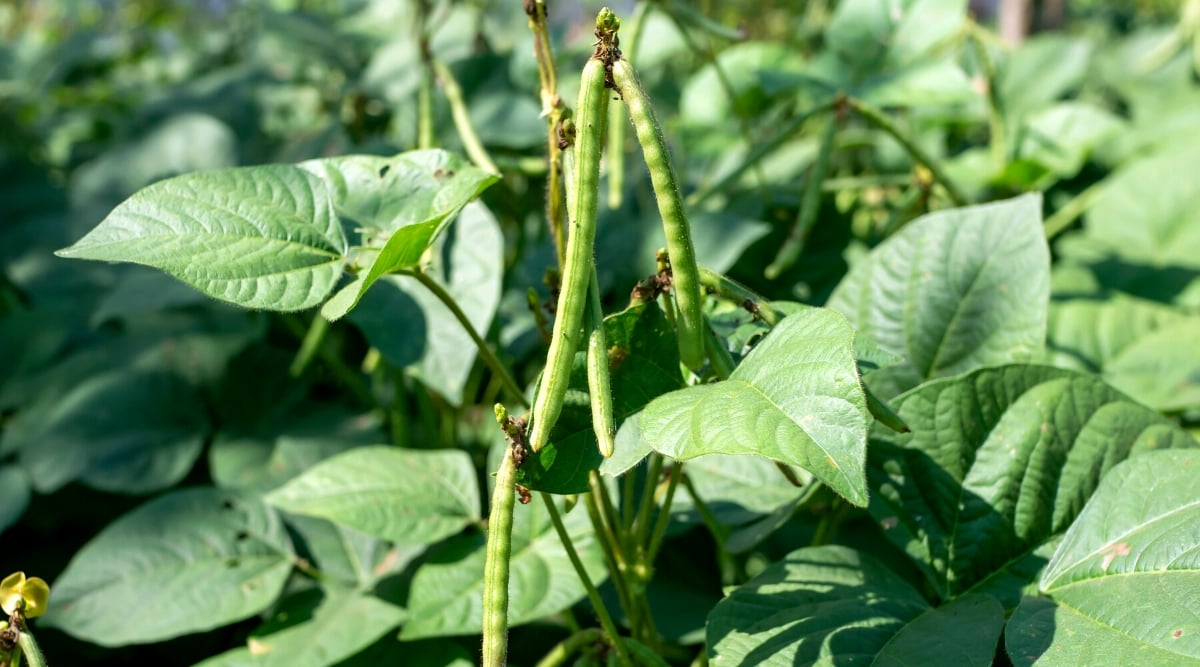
188, 561
407, 496
999, 461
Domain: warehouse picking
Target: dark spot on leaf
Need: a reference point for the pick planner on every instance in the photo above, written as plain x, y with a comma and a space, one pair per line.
1177, 634
384, 170
442, 173
228, 505
231, 562
241, 536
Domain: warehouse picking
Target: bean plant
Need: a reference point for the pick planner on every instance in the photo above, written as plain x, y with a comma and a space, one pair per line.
874, 342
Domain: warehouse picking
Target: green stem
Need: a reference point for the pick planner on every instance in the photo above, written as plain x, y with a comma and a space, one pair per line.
29, 648
462, 119
664, 514
309, 345
730, 290
879, 120
646, 506
723, 364
593, 594
552, 109
999, 136
616, 114
485, 351
673, 11
793, 246
496, 564
349, 378
761, 150
563, 650
1066, 215
609, 548
714, 528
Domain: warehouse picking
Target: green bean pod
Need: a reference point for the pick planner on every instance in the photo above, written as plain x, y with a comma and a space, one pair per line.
591, 115
685, 273
598, 374
496, 564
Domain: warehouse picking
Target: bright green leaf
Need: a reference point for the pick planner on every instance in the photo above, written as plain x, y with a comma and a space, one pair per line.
259, 237
320, 628
999, 461
795, 399
410, 497
189, 561
1125, 579
954, 290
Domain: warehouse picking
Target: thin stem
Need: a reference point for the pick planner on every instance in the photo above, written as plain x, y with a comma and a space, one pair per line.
462, 119
485, 351
1071, 211
349, 378
598, 605
731, 290
309, 345
714, 528
761, 150
496, 564
646, 508
616, 112
552, 109
569, 646
673, 11
879, 120
664, 515
608, 547
608, 513
810, 204
722, 362
999, 135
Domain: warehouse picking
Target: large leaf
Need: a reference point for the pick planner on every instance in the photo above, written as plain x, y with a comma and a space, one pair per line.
795, 399
123, 430
447, 591
403, 202
314, 629
412, 328
410, 497
644, 359
259, 237
1125, 580
880, 34
833, 606
14, 495
1062, 137
954, 290
999, 461
188, 561
1146, 214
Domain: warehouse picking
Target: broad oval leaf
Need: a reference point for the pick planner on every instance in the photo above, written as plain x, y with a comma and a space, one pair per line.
260, 237
954, 291
999, 461
832, 605
410, 497
315, 628
1126, 576
191, 560
795, 399
447, 591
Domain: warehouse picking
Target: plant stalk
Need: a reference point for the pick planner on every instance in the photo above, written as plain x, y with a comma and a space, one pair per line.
879, 120
462, 119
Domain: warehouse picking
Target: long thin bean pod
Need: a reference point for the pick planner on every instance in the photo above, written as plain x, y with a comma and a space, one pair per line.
809, 205
599, 380
685, 273
591, 114
497, 556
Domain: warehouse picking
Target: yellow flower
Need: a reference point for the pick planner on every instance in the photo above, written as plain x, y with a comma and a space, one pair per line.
34, 591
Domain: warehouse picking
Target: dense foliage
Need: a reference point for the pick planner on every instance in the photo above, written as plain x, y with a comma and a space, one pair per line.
939, 389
